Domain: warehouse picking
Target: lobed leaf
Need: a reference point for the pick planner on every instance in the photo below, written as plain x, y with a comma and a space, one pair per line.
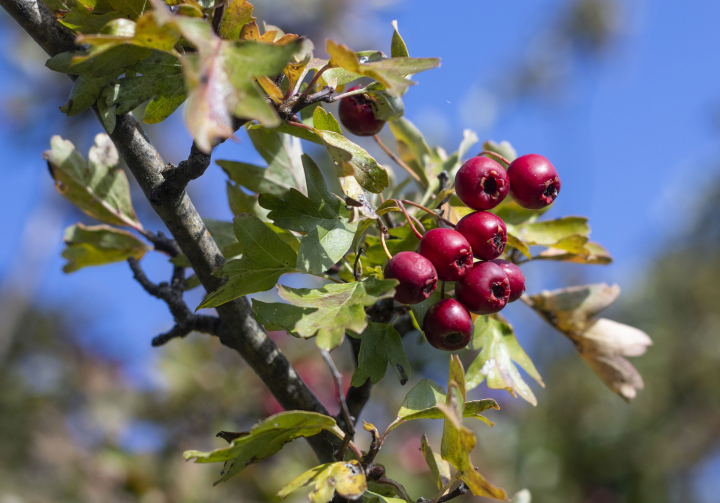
380, 345
500, 349
265, 439
98, 188
346, 478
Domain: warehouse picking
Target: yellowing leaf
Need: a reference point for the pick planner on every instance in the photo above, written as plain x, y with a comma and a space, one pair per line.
99, 245
265, 439
346, 478
237, 14
98, 188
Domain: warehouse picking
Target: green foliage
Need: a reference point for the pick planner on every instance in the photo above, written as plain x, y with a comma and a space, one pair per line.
345, 478
500, 349
265, 439
380, 345
438, 466
99, 245
422, 402
97, 187
321, 215
265, 258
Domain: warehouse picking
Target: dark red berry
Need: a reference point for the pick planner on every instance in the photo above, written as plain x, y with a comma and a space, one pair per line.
481, 183
357, 115
449, 252
416, 274
485, 289
534, 182
485, 232
448, 325
515, 277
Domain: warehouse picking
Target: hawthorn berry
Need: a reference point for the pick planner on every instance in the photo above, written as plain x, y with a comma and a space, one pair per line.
534, 182
416, 274
449, 252
448, 325
485, 289
358, 116
486, 233
481, 183
515, 277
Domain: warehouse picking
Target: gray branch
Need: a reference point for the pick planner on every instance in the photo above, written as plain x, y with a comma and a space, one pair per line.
239, 330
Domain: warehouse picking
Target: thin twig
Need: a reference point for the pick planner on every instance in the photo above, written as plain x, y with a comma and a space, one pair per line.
349, 420
383, 230
395, 158
374, 448
417, 222
494, 154
429, 211
313, 81
300, 124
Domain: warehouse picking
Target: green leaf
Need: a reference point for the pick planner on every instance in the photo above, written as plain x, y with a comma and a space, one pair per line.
110, 63
279, 316
347, 478
551, 232
284, 170
162, 81
401, 239
352, 160
594, 253
99, 245
391, 73
340, 307
385, 207
398, 49
380, 345
514, 214
221, 78
371, 497
422, 401
322, 215
240, 202
453, 162
131, 8
325, 121
80, 20
98, 188
265, 439
457, 440
500, 349
419, 309
236, 15
146, 33
265, 258
438, 466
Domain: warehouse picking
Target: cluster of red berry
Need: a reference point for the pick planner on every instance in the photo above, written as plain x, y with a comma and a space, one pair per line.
444, 254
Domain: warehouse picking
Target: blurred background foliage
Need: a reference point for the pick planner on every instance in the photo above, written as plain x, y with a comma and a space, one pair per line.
77, 424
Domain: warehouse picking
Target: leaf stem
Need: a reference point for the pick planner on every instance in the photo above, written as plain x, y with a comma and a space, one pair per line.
428, 210
409, 220
383, 230
494, 154
300, 124
395, 158
349, 422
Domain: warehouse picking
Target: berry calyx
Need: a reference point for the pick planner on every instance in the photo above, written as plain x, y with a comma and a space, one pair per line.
448, 325
486, 233
534, 182
357, 115
416, 274
515, 277
449, 252
485, 289
481, 183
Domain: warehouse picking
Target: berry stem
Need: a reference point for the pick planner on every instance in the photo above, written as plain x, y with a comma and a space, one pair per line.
428, 210
395, 158
409, 220
300, 124
494, 154
313, 82
417, 222
383, 230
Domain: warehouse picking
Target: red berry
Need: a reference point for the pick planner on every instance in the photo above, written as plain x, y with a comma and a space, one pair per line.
481, 183
485, 289
515, 277
449, 252
448, 325
485, 232
534, 182
357, 115
416, 275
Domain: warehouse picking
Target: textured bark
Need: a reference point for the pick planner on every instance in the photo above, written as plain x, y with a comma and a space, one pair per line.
238, 329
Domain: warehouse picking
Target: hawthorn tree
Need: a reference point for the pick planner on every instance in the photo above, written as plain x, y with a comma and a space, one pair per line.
230, 73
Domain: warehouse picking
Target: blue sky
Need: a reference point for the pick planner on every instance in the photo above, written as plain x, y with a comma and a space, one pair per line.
633, 135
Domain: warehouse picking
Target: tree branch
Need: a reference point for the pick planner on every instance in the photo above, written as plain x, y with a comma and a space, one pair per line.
239, 330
